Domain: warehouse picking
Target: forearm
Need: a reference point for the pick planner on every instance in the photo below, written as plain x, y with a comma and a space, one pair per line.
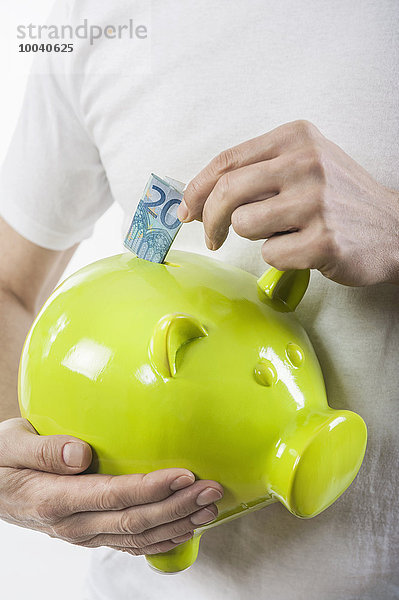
15, 321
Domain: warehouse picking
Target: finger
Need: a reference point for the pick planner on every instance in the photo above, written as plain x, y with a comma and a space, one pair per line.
154, 549
138, 519
264, 147
282, 213
258, 149
65, 496
157, 534
242, 186
306, 249
176, 529
22, 448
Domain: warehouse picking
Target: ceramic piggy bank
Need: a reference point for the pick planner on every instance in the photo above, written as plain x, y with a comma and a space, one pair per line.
194, 364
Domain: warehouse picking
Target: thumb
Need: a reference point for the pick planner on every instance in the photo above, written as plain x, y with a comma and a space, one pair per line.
22, 448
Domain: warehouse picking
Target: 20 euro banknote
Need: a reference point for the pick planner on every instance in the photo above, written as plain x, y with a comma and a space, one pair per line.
155, 223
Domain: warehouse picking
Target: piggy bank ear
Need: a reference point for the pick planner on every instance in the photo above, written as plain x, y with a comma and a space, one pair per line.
284, 288
170, 333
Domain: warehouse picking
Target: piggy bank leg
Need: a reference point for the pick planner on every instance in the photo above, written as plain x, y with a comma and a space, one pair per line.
316, 459
178, 559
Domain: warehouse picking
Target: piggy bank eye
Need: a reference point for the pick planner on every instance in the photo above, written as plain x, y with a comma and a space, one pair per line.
265, 373
295, 354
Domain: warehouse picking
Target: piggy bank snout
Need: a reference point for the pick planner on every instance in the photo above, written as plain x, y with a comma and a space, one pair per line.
317, 460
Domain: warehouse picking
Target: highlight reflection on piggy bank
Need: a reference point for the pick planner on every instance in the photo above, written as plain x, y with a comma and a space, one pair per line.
192, 364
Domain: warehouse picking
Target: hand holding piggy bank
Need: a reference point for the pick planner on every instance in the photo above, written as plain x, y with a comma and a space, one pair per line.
194, 364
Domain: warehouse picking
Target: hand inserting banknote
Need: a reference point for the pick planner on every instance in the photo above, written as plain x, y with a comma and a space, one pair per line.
155, 223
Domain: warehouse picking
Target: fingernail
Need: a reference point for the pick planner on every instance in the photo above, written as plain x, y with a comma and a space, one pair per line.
182, 211
203, 516
73, 454
208, 496
183, 538
182, 482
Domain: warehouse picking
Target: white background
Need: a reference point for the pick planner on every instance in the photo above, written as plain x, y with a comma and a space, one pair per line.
33, 565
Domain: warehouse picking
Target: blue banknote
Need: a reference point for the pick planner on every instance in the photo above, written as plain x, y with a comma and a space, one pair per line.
155, 223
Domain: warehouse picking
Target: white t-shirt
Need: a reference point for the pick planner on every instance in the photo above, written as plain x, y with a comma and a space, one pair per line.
209, 75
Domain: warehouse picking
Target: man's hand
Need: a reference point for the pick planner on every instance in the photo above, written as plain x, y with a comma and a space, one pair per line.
334, 216
139, 514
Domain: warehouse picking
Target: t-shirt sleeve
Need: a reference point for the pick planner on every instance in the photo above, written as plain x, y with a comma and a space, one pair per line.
53, 186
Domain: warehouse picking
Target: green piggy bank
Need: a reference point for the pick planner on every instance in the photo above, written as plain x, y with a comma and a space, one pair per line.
194, 364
